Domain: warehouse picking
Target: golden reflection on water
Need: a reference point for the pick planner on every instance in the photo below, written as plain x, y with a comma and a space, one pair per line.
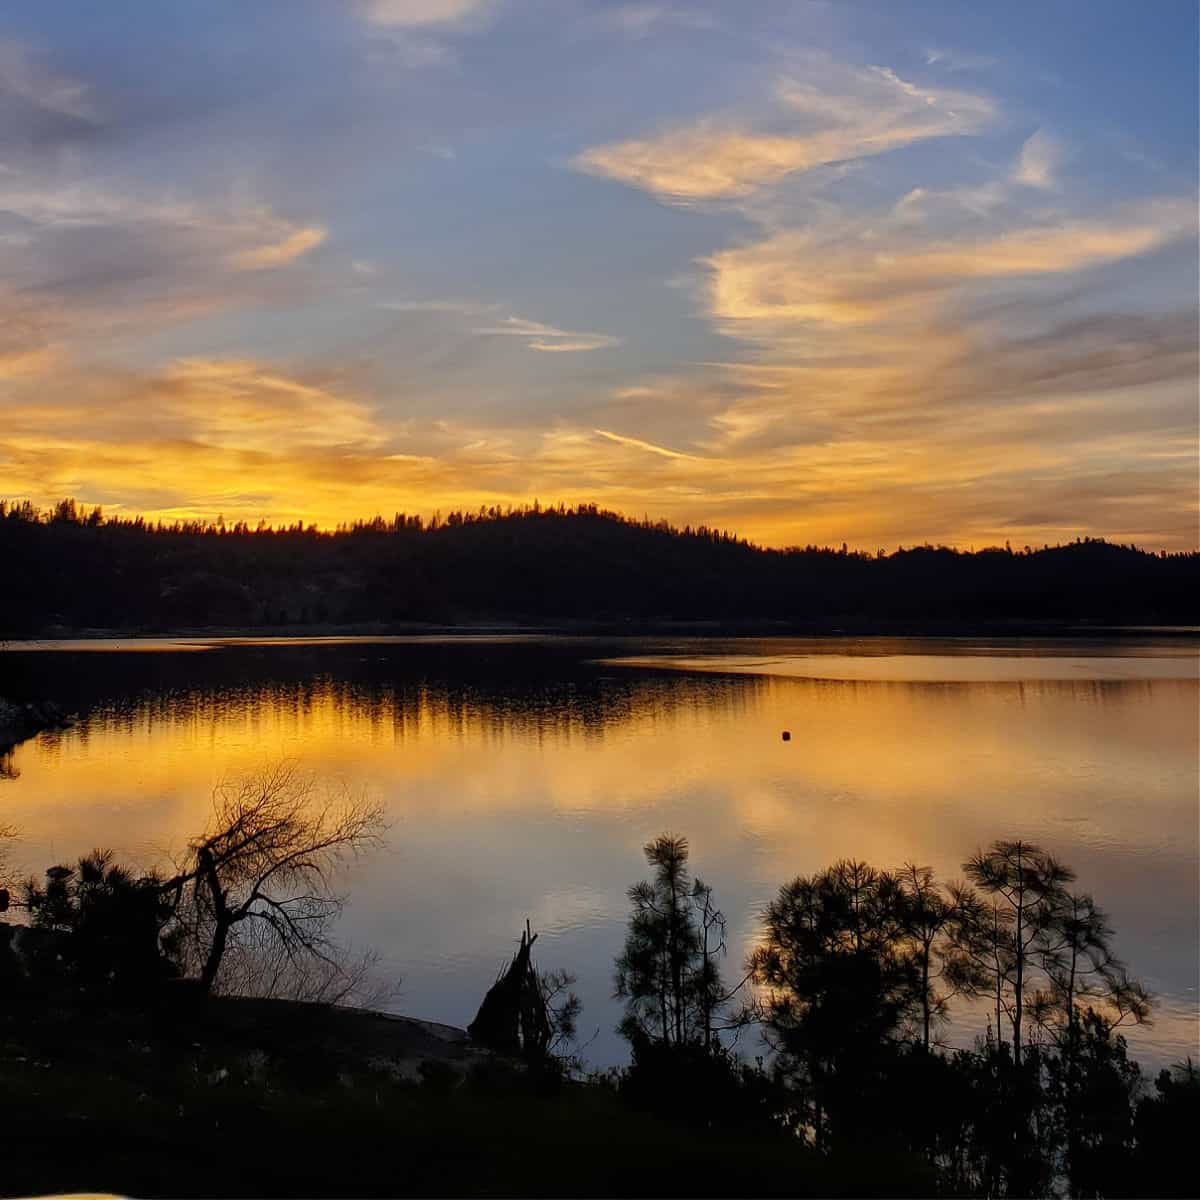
537, 803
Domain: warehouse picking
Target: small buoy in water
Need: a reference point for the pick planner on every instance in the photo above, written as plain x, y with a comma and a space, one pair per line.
787, 735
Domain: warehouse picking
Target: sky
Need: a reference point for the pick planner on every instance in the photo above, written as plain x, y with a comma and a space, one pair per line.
881, 273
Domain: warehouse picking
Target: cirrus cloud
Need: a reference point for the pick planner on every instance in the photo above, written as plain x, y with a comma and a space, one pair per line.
848, 276
830, 114
278, 254
420, 14
1038, 161
546, 338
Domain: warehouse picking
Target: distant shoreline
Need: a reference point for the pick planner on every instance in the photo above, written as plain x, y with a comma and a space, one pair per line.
749, 628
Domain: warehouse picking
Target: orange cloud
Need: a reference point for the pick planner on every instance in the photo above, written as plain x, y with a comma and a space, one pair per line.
846, 114
17, 363
970, 483
849, 275
278, 254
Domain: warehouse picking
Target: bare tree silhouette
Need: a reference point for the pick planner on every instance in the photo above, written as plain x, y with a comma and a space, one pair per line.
268, 859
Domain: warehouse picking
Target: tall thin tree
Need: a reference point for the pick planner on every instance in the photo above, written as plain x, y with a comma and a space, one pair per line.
1026, 884
668, 972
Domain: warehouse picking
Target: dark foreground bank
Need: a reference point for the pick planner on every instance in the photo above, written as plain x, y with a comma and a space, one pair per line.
268, 1098
121, 1069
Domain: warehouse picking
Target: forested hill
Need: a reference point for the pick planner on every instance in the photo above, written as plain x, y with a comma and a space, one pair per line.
69, 569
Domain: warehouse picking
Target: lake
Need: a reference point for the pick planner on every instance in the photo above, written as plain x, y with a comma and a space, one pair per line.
522, 775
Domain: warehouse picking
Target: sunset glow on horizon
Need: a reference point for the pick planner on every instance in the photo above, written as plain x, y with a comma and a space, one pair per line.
816, 273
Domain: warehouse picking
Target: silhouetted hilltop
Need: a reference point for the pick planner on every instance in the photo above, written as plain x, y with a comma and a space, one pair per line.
68, 569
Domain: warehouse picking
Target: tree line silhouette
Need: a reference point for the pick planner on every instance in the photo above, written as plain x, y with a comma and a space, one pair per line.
71, 568
852, 985
854, 976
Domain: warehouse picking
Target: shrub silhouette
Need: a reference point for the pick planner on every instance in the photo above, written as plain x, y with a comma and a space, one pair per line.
118, 927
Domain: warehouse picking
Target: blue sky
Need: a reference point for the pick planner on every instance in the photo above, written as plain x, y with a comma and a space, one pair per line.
825, 272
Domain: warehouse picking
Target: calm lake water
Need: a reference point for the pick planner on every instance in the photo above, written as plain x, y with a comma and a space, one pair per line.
522, 776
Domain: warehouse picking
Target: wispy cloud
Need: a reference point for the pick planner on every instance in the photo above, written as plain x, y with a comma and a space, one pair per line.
425, 14
845, 276
189, 437
279, 254
246, 405
547, 338
24, 361
50, 205
639, 444
1038, 162
464, 308
959, 60
833, 114
639, 21
419, 34
24, 77
88, 264
252, 439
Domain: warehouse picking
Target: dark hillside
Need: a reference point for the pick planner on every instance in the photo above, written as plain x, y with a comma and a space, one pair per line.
67, 570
